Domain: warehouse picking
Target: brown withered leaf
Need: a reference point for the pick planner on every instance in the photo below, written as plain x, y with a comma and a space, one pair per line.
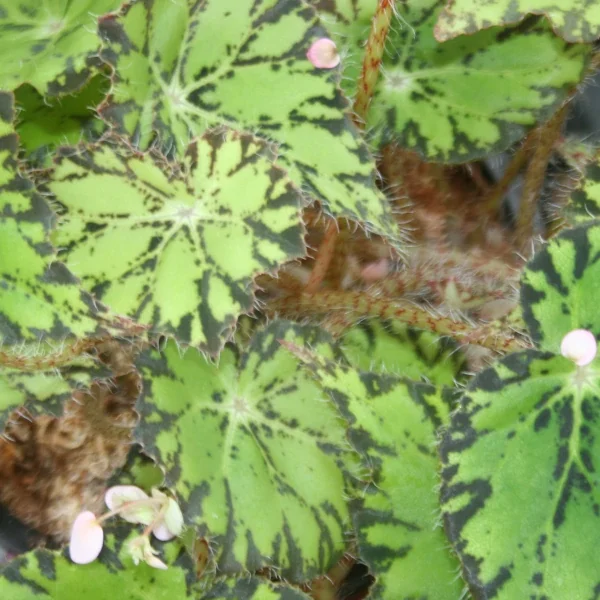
52, 468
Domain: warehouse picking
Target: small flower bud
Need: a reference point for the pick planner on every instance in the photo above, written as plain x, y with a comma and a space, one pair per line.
580, 346
323, 54
119, 495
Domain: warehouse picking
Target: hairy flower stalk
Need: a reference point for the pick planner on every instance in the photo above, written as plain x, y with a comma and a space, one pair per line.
362, 304
372, 60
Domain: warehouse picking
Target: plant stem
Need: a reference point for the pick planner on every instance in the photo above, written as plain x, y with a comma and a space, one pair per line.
128, 505
362, 304
518, 161
543, 140
43, 362
372, 60
324, 256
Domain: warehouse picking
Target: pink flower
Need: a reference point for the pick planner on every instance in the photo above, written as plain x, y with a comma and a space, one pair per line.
579, 346
87, 538
323, 54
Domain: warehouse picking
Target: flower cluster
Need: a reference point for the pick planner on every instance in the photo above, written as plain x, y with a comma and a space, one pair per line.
159, 513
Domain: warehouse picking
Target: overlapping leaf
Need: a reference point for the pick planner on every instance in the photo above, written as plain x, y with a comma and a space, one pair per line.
584, 203
38, 296
184, 66
574, 20
561, 287
252, 589
463, 99
252, 448
49, 44
393, 425
521, 485
47, 575
177, 250
393, 347
40, 389
43, 124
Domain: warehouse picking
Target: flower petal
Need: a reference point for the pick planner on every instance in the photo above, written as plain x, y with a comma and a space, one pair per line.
323, 54
161, 532
580, 346
87, 538
119, 495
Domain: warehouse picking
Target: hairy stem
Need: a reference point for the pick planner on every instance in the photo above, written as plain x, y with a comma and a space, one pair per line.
372, 60
324, 256
362, 305
39, 359
543, 139
496, 195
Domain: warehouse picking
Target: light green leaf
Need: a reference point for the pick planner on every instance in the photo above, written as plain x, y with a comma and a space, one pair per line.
252, 588
38, 296
520, 481
49, 43
177, 249
393, 425
43, 574
182, 66
574, 20
460, 100
393, 347
253, 450
561, 286
45, 123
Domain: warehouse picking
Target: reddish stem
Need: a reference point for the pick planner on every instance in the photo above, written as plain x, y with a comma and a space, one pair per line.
372, 61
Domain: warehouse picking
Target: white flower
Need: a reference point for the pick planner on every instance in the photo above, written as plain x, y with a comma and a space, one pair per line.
87, 538
171, 525
580, 346
142, 512
140, 549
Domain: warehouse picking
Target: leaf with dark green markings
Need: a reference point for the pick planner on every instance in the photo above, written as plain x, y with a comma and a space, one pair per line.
181, 67
46, 575
177, 248
521, 485
574, 20
463, 99
38, 296
252, 588
584, 203
561, 286
393, 425
393, 347
253, 449
49, 44
46, 123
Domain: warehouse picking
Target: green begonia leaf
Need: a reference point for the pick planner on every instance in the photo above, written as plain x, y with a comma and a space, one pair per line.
393, 425
460, 100
177, 249
183, 66
38, 296
252, 589
253, 449
46, 123
561, 286
49, 43
521, 488
574, 20
43, 389
393, 347
584, 203
46, 575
